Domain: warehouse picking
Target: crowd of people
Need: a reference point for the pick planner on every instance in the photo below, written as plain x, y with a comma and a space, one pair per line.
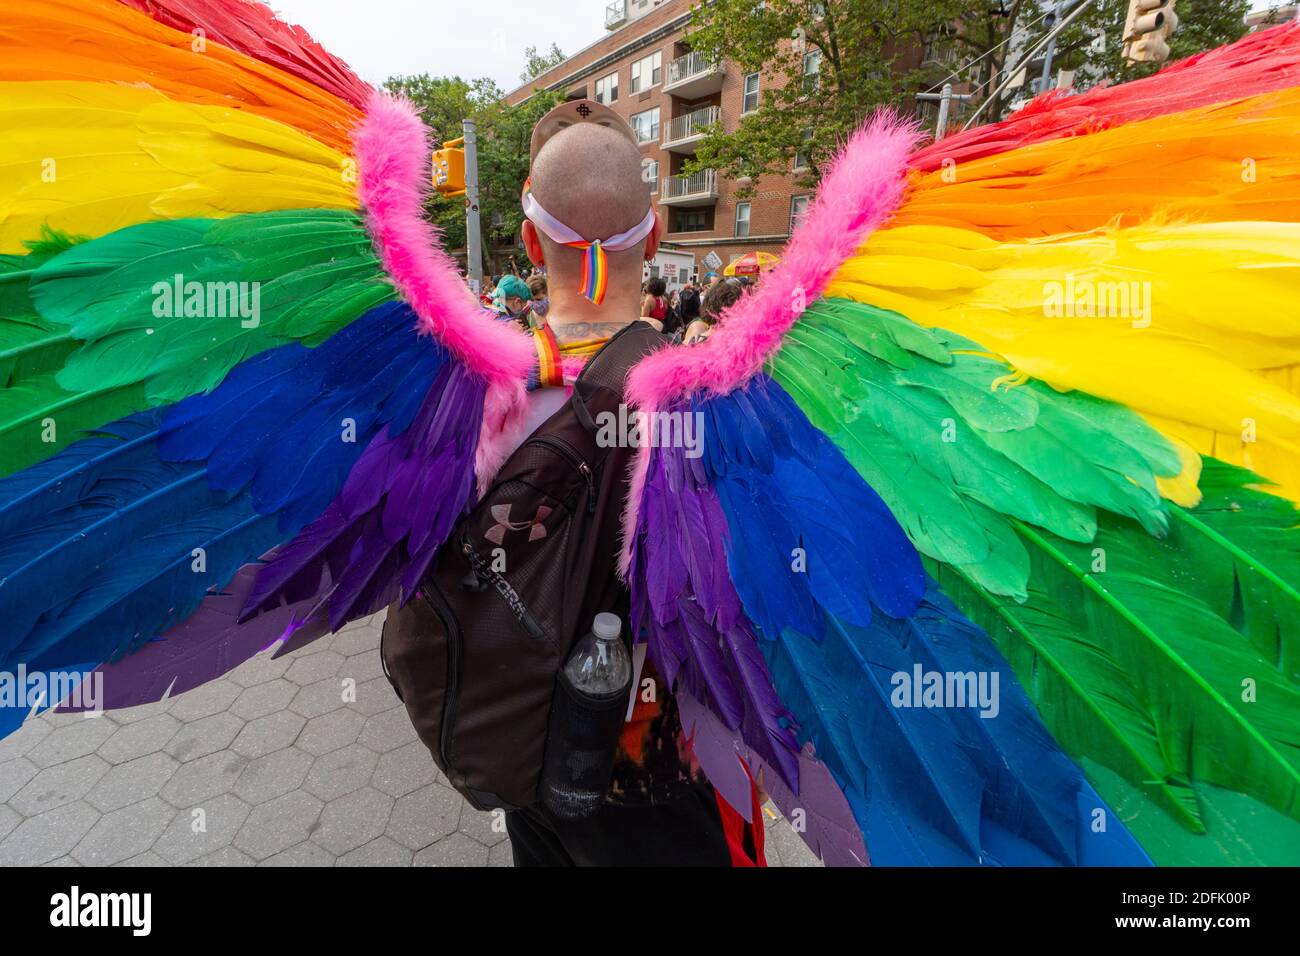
686, 313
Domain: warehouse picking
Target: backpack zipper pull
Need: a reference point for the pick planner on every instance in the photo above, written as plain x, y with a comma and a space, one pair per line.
591, 486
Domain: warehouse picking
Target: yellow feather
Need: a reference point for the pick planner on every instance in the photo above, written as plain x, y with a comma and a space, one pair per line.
90, 158
1195, 325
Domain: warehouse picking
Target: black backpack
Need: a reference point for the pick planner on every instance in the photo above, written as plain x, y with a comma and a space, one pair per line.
475, 654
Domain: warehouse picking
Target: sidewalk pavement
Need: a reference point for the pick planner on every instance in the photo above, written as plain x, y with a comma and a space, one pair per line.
268, 766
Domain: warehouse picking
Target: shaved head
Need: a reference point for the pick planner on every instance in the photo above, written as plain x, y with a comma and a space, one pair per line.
589, 177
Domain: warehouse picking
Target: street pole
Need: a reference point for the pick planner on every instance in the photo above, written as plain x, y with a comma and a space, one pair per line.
1049, 53
473, 238
945, 104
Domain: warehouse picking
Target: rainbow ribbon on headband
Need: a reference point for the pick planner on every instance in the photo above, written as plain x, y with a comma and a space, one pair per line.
595, 263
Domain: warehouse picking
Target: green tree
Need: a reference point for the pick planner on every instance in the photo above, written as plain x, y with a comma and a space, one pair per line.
504, 132
856, 48
1093, 44
535, 64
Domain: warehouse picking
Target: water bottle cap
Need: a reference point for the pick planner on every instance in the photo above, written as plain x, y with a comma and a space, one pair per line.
607, 626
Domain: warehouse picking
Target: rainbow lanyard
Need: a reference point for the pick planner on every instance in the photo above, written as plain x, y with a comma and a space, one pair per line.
551, 355
595, 264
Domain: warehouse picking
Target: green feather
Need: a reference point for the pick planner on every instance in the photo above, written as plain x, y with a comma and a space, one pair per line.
81, 345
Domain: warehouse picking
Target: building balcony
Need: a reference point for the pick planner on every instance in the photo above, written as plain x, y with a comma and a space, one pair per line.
615, 14
683, 132
692, 76
701, 189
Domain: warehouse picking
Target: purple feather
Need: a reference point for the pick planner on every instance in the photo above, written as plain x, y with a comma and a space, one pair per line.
209, 643
828, 828
395, 509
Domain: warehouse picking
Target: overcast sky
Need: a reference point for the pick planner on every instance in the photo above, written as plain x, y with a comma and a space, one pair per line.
469, 38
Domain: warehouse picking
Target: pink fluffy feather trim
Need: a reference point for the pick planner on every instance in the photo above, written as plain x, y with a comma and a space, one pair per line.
862, 188
393, 152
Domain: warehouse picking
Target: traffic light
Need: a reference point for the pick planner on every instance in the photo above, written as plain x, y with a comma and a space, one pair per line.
449, 168
1149, 24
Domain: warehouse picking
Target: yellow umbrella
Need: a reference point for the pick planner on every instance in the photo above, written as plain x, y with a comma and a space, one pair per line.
751, 264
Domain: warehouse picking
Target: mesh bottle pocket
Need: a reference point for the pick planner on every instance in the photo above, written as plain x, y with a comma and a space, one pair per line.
580, 745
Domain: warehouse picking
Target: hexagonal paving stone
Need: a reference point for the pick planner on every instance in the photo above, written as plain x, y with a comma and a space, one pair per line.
259, 669
353, 821
205, 736
47, 837
501, 855
139, 738
307, 667
362, 667
203, 778
204, 700
143, 712
487, 827
80, 736
419, 819
358, 637
59, 785
387, 731
263, 699
268, 734
22, 740
455, 850
9, 819
381, 852
318, 698
273, 775
124, 833
304, 854
341, 772
147, 858
331, 731
192, 835
226, 856
129, 783
14, 775
375, 696
406, 769
284, 822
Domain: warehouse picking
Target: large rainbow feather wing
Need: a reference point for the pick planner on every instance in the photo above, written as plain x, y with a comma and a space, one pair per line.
1019, 404
243, 393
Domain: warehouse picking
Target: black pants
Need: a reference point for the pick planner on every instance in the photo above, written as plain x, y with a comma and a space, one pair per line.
686, 831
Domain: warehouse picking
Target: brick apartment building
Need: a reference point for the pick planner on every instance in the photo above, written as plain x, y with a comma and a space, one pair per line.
645, 71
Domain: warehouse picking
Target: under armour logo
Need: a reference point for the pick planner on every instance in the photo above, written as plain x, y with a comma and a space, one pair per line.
536, 530
584, 110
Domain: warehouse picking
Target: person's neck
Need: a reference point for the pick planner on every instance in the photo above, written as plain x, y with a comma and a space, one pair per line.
574, 319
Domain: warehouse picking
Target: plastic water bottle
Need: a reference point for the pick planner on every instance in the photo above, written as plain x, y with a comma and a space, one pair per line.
586, 718
600, 664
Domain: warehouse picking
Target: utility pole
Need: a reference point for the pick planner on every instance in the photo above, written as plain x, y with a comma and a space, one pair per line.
473, 236
945, 102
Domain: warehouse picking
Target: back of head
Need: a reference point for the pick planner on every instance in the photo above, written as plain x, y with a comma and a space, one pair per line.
589, 178
719, 296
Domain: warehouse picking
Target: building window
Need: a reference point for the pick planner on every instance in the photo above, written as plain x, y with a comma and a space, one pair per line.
750, 102
691, 220
812, 67
801, 160
607, 89
742, 220
650, 174
647, 72
798, 206
646, 125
